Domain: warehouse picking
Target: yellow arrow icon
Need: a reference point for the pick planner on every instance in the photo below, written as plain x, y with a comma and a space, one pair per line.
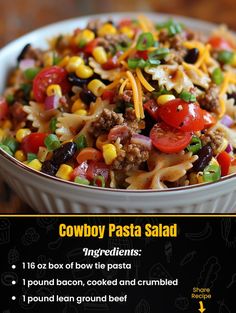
201, 309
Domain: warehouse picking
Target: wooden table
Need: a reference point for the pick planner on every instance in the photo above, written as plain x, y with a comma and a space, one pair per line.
19, 17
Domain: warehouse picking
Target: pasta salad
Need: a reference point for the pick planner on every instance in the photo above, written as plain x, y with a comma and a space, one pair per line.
131, 104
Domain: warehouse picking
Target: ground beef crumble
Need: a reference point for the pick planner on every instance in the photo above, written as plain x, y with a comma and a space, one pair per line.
214, 138
210, 100
130, 157
105, 122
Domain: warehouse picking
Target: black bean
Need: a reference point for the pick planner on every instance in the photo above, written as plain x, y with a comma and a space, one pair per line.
64, 153
191, 56
87, 96
204, 157
232, 96
76, 81
23, 52
49, 168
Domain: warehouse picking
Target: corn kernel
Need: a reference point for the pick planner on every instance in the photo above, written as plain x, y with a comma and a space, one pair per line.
109, 153
100, 55
74, 63
22, 133
35, 164
81, 112
222, 146
84, 71
20, 156
64, 172
7, 124
127, 31
106, 29
77, 105
54, 89
96, 86
85, 36
161, 100
64, 61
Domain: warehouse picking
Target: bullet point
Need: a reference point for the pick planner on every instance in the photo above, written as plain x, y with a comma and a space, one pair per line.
13, 267
13, 282
13, 298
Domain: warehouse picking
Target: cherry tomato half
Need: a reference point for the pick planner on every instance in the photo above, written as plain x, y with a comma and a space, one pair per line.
97, 169
32, 142
209, 119
91, 45
3, 108
151, 108
108, 95
182, 115
80, 171
48, 76
224, 160
111, 63
168, 139
220, 43
142, 54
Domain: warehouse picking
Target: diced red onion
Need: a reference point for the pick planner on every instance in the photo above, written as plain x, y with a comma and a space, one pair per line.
51, 102
142, 140
26, 63
227, 120
229, 148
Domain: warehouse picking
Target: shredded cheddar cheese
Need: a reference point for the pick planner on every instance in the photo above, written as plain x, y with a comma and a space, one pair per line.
143, 81
140, 94
115, 82
122, 87
192, 67
135, 93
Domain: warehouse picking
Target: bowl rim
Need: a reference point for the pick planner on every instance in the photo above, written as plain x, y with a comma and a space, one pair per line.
114, 15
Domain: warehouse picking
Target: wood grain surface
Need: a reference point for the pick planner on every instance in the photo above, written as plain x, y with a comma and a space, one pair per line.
21, 16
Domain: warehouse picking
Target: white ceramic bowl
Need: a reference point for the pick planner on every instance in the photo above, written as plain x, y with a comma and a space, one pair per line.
51, 195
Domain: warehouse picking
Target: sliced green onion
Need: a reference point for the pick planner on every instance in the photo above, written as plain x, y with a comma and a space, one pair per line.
172, 27
145, 41
30, 73
52, 142
81, 180
195, 145
134, 63
99, 181
80, 142
6, 149
225, 56
53, 124
11, 143
31, 157
217, 76
155, 56
187, 96
211, 173
10, 99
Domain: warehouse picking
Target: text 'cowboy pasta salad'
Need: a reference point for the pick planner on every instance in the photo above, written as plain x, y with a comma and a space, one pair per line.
130, 105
